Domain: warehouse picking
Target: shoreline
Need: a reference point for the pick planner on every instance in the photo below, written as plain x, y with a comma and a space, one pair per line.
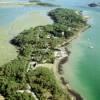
58, 69
62, 82
58, 72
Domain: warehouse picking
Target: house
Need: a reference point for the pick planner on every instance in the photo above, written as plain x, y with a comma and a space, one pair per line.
57, 54
1, 97
31, 65
63, 33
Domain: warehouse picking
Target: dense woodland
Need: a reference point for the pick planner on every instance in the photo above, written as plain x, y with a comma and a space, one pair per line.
38, 44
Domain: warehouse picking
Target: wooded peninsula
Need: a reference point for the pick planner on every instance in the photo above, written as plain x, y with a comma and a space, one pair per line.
30, 76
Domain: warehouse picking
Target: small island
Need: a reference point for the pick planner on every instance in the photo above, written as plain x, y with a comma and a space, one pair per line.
36, 73
94, 4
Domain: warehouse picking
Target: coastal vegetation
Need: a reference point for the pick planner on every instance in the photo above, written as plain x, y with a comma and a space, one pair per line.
39, 44
43, 83
44, 4
34, 1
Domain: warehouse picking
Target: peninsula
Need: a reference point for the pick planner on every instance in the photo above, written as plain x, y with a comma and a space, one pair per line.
35, 74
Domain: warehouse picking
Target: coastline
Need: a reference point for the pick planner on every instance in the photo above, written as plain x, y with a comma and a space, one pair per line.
58, 72
58, 69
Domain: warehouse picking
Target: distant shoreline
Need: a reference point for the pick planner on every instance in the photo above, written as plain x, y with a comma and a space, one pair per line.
7, 4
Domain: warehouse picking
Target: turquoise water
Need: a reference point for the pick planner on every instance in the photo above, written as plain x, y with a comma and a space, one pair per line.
83, 68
